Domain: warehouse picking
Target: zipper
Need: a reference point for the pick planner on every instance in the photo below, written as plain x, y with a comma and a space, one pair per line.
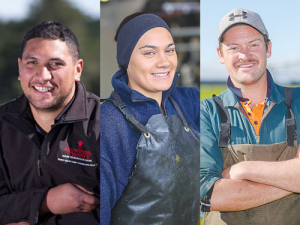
39, 161
257, 139
40, 172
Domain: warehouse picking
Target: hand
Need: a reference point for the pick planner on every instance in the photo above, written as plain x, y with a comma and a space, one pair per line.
234, 172
68, 198
226, 173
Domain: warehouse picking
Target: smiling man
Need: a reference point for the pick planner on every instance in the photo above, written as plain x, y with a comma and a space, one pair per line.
249, 162
49, 170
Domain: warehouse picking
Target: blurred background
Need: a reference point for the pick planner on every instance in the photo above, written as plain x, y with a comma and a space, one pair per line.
183, 17
281, 19
17, 16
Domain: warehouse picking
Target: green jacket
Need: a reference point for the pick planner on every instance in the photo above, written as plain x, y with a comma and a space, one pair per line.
272, 130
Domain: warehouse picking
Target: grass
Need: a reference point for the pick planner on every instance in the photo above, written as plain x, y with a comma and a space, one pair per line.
207, 90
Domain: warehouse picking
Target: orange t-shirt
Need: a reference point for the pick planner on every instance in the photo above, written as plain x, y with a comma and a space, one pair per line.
254, 114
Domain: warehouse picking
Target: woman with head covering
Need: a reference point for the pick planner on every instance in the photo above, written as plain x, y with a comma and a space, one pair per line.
149, 146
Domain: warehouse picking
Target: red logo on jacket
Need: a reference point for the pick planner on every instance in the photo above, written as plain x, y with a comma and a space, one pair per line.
78, 152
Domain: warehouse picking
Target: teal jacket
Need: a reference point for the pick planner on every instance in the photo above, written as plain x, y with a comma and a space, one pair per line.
272, 130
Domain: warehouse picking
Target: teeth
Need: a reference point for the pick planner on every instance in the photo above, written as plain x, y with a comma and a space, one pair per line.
244, 66
160, 74
43, 89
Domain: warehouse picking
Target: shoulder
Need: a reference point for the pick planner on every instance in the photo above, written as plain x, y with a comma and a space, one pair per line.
188, 100
14, 106
183, 92
112, 121
187, 97
92, 97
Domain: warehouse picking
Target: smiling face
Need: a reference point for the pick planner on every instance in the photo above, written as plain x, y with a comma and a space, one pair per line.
153, 63
47, 73
244, 53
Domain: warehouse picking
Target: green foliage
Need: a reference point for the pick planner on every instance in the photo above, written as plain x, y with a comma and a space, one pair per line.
207, 90
12, 33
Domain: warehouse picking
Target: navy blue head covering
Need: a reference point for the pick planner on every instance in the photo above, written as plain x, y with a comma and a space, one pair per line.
131, 32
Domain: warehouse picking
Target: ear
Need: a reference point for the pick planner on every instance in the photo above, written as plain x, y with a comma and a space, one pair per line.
19, 65
269, 51
221, 59
78, 69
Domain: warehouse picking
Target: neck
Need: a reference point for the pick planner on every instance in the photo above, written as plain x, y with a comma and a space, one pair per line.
256, 92
44, 119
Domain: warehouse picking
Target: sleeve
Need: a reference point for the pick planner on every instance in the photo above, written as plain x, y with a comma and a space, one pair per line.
211, 161
196, 106
77, 218
117, 155
19, 206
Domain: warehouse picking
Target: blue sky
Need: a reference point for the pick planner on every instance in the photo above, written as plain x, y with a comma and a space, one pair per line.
282, 20
18, 9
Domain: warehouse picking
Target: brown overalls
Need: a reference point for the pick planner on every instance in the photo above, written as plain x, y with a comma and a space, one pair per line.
284, 211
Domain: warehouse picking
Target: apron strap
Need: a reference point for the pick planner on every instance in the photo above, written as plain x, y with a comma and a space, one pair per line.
225, 129
117, 101
180, 114
291, 133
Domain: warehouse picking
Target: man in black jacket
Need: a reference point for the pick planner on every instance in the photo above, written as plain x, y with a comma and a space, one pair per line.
49, 136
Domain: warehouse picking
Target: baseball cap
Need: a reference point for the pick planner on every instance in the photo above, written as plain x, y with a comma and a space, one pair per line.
241, 16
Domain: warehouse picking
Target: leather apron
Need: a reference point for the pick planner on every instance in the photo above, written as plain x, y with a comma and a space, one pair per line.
165, 182
279, 212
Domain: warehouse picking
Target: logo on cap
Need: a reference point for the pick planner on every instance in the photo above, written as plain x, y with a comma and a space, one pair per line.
232, 16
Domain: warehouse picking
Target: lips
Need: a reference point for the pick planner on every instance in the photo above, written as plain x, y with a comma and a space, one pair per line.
160, 74
43, 89
246, 66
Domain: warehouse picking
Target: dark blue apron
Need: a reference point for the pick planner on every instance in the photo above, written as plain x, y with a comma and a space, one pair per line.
164, 187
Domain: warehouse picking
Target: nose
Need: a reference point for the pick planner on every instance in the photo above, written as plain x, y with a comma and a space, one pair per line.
163, 61
245, 54
43, 73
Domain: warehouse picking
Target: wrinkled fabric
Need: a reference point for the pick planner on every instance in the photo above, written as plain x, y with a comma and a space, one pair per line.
273, 130
119, 138
68, 153
164, 185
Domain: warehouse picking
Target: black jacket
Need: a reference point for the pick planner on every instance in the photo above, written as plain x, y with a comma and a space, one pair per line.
30, 165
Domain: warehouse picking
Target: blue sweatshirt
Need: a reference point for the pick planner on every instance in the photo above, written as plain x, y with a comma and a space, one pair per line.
118, 138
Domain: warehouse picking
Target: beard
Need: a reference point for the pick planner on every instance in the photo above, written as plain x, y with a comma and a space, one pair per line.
58, 103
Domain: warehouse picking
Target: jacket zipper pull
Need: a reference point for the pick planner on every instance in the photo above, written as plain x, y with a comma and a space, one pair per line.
39, 167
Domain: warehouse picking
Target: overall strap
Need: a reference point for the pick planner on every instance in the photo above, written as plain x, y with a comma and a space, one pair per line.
181, 116
225, 129
291, 133
117, 101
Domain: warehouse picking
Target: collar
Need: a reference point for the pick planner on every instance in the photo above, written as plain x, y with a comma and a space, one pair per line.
234, 95
238, 92
76, 109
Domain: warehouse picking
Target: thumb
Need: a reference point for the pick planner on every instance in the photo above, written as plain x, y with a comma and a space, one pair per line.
83, 189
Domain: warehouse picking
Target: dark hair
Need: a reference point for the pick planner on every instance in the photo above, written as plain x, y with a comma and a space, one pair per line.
126, 19
53, 30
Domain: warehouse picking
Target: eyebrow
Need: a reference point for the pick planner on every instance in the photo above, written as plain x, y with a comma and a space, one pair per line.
229, 44
154, 47
52, 59
256, 40
30, 57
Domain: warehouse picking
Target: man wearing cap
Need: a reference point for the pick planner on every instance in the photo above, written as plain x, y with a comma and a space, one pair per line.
249, 165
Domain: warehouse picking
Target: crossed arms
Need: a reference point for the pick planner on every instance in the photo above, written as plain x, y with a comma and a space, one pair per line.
250, 184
